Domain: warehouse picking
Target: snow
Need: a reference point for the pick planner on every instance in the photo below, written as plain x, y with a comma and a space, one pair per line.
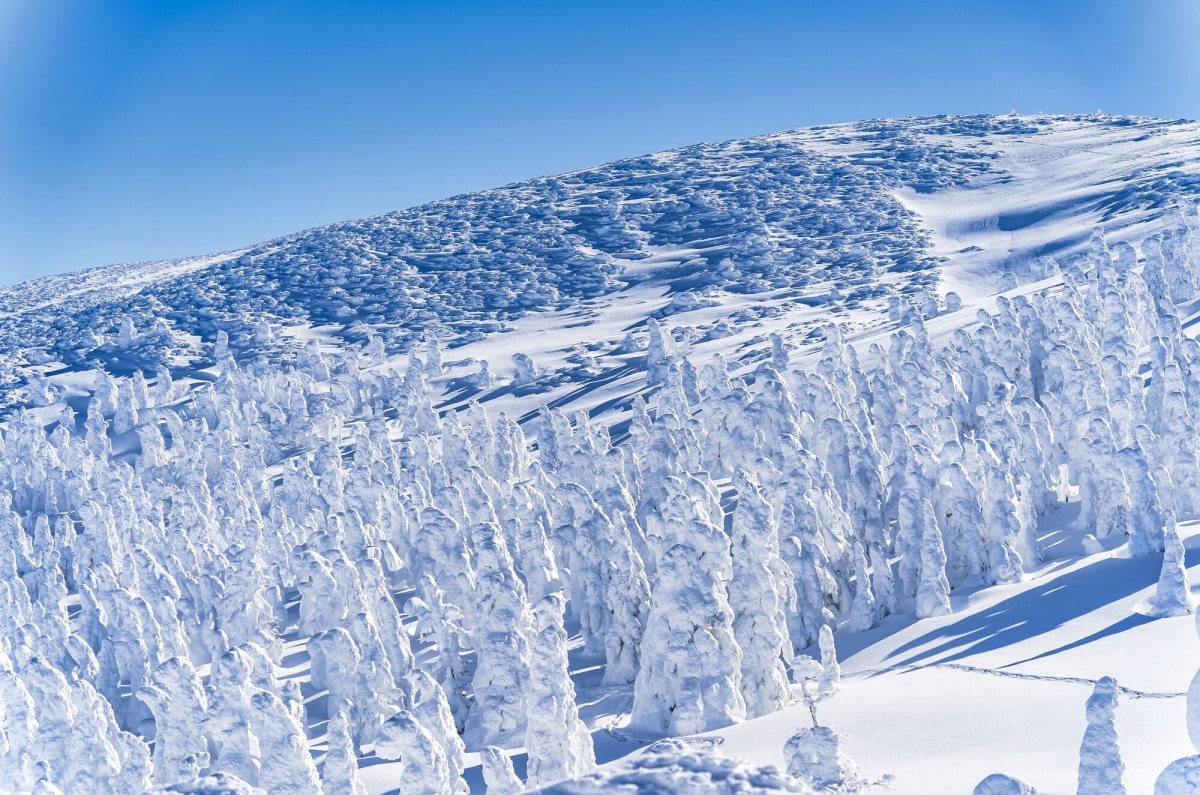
1011, 669
521, 482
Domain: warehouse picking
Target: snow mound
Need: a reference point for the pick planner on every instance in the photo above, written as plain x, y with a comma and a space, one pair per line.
1182, 777
674, 766
216, 784
1000, 784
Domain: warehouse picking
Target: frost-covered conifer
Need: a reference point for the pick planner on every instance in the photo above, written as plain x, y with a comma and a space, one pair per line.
933, 593
498, 774
919, 539
1173, 595
557, 741
779, 354
228, 725
125, 415
1101, 769
813, 543
222, 355
758, 596
829, 682
433, 355
814, 756
287, 766
375, 671
607, 580
126, 332
176, 697
882, 580
534, 559
863, 610
431, 707
104, 392
339, 775
442, 623
501, 644
1002, 527
440, 551
337, 665
690, 679
116, 761
374, 351
1145, 516
961, 519
423, 767
97, 431
482, 379
311, 361
1182, 776
526, 372
660, 352
1176, 445
322, 604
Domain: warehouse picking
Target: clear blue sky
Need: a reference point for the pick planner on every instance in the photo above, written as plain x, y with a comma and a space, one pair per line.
147, 130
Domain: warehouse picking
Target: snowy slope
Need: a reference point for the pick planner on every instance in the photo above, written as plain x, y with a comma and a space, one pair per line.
814, 223
269, 449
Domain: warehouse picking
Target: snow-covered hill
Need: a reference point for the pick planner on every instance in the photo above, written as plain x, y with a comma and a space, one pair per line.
590, 468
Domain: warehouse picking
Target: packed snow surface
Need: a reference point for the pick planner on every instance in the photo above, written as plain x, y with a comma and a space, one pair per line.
849, 459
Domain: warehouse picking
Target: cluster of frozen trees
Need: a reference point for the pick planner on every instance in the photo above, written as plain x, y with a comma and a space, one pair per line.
770, 212
429, 562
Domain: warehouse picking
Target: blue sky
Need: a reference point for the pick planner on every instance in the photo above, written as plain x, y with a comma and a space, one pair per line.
147, 130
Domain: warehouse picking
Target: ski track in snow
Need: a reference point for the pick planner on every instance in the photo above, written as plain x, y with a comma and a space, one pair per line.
1077, 680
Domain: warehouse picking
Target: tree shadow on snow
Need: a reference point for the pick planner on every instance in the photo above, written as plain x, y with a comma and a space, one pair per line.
1042, 609
1129, 622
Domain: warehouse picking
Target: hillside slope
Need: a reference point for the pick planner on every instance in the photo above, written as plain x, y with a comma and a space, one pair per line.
835, 218
586, 469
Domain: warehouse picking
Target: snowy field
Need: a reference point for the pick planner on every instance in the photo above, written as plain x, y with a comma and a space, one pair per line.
619, 478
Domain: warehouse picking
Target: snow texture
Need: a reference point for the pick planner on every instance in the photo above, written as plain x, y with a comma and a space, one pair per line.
527, 479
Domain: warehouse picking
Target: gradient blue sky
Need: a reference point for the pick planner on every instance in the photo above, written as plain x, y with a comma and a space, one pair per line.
147, 130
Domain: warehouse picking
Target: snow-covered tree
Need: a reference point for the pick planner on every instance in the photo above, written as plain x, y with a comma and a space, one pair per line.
923, 561
690, 679
814, 756
759, 596
423, 766
1101, 769
1173, 596
176, 697
558, 743
863, 610
501, 642
498, 774
287, 766
660, 353
339, 775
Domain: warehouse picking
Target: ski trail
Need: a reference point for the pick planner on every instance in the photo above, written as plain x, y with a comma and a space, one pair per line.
1078, 680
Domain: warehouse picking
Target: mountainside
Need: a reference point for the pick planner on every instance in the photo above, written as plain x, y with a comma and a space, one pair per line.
814, 218
620, 466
